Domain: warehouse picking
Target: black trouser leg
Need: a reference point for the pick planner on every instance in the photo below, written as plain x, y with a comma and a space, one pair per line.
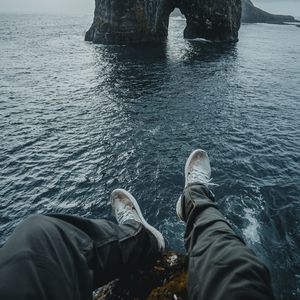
221, 266
64, 257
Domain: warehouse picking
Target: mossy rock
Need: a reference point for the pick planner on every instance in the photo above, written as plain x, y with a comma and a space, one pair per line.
166, 280
173, 289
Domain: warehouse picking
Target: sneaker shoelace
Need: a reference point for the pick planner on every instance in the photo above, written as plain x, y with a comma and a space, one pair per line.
126, 214
201, 177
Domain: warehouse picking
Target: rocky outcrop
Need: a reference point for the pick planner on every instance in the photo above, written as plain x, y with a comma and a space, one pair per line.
252, 14
216, 20
138, 21
166, 280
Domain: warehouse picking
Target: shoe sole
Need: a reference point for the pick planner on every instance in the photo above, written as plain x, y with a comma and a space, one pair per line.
155, 232
179, 209
188, 161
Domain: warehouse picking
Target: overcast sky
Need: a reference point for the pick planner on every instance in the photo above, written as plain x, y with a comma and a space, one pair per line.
47, 6
290, 7
87, 6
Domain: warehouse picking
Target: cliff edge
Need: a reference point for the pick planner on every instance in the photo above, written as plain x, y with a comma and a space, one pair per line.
166, 280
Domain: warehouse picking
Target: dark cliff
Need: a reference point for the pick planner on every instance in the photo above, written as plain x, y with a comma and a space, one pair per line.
166, 280
138, 21
252, 14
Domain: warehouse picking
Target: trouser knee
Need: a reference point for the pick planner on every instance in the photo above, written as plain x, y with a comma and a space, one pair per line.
35, 225
32, 233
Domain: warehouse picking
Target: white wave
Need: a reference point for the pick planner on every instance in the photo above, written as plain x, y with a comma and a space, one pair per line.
251, 232
200, 40
155, 130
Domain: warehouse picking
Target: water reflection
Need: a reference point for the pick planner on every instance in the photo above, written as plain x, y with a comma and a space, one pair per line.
130, 72
208, 51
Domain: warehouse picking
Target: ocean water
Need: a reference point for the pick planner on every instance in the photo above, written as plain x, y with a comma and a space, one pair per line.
78, 120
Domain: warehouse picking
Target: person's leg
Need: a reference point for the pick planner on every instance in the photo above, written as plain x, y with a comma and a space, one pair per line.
221, 266
66, 257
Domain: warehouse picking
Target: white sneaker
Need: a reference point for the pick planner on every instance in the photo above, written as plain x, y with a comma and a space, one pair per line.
197, 170
125, 208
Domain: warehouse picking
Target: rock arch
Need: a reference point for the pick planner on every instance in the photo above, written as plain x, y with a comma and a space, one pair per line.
139, 21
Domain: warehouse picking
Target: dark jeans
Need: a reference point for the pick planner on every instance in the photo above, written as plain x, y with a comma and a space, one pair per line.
221, 266
64, 257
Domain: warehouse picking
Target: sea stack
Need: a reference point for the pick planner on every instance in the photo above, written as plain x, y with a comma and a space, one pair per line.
140, 21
